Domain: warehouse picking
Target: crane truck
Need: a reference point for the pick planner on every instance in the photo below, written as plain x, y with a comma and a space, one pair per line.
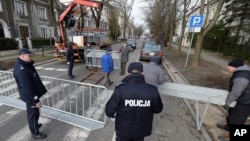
66, 20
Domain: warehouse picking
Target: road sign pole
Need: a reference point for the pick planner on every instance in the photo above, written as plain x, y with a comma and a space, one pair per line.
195, 21
189, 48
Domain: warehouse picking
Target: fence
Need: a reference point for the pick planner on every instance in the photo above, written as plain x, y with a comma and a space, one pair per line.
77, 103
93, 58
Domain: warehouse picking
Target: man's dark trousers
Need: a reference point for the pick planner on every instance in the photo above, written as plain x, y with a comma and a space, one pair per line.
123, 67
32, 117
238, 115
128, 139
70, 68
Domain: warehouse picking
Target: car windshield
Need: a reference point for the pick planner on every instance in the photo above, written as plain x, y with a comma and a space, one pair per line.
149, 42
130, 41
152, 47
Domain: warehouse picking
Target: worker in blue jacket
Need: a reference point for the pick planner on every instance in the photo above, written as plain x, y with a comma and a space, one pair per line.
133, 104
30, 89
107, 67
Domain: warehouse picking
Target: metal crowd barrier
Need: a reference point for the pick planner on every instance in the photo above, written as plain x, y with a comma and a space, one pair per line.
93, 58
77, 103
197, 93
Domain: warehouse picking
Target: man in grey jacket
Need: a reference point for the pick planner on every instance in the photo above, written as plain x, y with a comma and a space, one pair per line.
124, 50
239, 92
153, 72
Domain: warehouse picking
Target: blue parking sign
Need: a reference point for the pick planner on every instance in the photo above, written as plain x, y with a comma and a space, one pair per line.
196, 21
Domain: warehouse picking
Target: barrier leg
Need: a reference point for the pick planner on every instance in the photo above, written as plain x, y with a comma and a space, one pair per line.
198, 121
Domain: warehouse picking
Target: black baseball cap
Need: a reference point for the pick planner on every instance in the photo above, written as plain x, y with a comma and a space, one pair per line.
25, 51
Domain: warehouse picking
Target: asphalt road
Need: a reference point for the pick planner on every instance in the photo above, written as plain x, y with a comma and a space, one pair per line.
13, 123
174, 124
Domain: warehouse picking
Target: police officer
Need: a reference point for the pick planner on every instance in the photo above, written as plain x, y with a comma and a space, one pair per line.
30, 89
133, 104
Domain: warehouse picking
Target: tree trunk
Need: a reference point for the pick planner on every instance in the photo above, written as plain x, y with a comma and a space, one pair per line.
197, 53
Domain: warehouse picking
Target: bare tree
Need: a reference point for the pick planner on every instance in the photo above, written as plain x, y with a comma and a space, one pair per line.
52, 6
158, 19
204, 30
184, 18
126, 7
172, 21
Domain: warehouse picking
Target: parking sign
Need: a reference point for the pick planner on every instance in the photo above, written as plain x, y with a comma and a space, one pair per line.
196, 21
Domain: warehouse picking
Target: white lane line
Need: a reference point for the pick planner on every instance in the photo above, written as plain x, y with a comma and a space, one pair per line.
24, 133
6, 116
39, 68
49, 68
76, 134
114, 136
61, 69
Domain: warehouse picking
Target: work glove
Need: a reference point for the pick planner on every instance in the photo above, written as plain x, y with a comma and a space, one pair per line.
225, 106
68, 63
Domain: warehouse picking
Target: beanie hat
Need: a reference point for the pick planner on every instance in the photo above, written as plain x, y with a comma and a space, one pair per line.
135, 66
109, 49
156, 59
236, 63
25, 51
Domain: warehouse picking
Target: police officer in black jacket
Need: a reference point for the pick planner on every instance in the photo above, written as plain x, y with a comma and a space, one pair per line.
30, 89
133, 104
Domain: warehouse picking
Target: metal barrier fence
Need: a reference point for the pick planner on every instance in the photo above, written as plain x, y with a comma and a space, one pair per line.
80, 100
93, 58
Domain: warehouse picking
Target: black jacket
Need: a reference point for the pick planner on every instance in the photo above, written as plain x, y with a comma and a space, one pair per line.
133, 104
70, 54
29, 84
244, 97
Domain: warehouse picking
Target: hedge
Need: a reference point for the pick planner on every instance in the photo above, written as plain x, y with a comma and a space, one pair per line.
39, 42
8, 44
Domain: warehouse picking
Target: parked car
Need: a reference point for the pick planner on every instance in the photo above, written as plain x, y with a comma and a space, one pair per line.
150, 50
147, 42
132, 43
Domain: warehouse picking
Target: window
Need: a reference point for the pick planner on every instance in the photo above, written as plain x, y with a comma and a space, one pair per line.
42, 13
24, 31
44, 32
1, 31
20, 8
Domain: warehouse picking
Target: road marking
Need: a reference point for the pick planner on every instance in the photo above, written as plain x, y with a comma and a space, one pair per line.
6, 116
76, 134
39, 68
61, 69
49, 68
24, 133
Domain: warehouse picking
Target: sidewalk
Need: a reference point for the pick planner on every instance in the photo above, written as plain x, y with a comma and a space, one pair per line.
211, 73
36, 51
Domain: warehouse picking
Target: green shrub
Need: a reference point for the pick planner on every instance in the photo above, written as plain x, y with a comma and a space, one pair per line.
8, 44
39, 42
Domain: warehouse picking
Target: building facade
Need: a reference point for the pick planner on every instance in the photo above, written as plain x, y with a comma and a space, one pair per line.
28, 18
